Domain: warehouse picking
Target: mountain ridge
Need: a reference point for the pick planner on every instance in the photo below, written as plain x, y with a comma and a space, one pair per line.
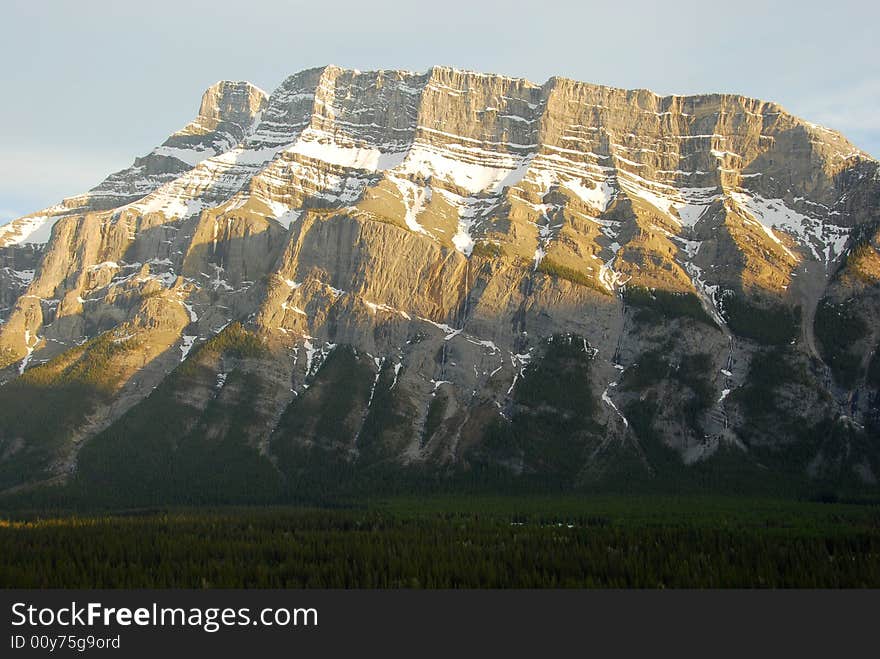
436, 236
549, 81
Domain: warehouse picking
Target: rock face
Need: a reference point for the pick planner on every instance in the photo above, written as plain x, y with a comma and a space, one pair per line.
386, 274
227, 114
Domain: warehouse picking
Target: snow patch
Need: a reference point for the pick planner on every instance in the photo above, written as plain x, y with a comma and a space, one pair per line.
437, 384
463, 166
607, 400
599, 196
186, 345
30, 351
322, 146
826, 241
193, 317
171, 206
191, 157
293, 308
469, 209
23, 276
397, 367
289, 217
28, 230
375, 308
413, 197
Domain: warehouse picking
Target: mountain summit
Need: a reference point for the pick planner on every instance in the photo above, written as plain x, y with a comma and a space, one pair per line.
369, 279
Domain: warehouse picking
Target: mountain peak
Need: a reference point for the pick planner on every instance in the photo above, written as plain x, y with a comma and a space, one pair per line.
233, 101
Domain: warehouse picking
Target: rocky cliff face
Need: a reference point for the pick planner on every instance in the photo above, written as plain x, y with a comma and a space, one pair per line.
387, 273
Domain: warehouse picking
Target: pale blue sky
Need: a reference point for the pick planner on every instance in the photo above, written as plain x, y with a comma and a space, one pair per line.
87, 86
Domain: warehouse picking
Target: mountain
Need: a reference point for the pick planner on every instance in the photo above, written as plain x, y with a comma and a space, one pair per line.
370, 281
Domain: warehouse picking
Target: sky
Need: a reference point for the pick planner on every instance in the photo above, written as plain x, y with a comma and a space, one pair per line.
87, 86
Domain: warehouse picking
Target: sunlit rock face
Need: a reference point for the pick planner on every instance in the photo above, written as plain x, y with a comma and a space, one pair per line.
435, 244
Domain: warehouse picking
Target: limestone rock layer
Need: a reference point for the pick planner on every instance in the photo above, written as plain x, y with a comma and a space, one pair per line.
434, 244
